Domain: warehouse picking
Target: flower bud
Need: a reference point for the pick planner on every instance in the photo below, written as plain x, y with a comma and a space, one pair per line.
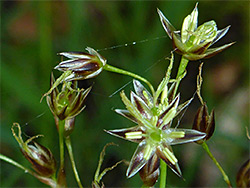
82, 65
204, 122
40, 157
150, 172
243, 175
69, 126
69, 102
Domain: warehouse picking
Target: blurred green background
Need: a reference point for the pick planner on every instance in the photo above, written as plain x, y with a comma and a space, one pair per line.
33, 32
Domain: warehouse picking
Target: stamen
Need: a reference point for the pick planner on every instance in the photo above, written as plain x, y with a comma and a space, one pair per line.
134, 135
169, 116
170, 156
177, 134
147, 152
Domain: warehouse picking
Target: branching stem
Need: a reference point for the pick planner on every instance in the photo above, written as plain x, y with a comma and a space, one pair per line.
71, 155
205, 147
45, 180
124, 72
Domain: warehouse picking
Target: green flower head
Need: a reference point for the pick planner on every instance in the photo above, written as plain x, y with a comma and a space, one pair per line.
67, 103
194, 42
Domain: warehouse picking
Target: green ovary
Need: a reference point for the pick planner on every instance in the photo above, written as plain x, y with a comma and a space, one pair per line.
62, 99
156, 136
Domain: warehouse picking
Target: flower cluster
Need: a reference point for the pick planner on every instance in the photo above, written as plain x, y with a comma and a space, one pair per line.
153, 132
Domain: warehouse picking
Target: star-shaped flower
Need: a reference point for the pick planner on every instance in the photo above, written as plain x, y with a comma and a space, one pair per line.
153, 132
193, 42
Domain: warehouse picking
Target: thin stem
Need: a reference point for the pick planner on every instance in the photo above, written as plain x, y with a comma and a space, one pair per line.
163, 174
180, 75
16, 164
124, 72
69, 147
47, 181
226, 179
61, 174
182, 67
61, 144
181, 72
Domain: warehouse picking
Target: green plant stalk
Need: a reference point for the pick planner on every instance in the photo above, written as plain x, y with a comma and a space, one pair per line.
61, 179
181, 71
70, 151
182, 67
111, 68
226, 179
61, 143
45, 180
163, 174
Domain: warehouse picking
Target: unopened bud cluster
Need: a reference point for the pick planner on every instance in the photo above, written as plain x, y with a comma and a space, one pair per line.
40, 157
204, 122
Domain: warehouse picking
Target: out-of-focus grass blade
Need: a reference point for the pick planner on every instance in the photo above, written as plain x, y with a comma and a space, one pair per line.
15, 82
